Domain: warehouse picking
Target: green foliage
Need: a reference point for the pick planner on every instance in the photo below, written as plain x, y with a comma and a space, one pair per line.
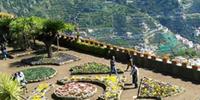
20, 29
89, 48
53, 27
39, 73
4, 29
190, 52
118, 16
91, 68
9, 89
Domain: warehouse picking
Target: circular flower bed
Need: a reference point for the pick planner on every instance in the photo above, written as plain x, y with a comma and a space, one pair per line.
38, 74
112, 85
75, 90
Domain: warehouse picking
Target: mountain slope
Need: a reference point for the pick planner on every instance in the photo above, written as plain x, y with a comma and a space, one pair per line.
128, 24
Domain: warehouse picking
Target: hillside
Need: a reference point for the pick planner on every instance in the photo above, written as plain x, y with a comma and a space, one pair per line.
150, 24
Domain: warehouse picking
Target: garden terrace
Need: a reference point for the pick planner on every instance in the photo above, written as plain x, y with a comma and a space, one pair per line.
191, 89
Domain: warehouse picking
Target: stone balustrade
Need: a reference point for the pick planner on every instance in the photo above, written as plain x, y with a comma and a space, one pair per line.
147, 60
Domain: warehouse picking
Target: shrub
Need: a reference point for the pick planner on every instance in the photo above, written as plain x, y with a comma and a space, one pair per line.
9, 89
38, 74
92, 68
96, 50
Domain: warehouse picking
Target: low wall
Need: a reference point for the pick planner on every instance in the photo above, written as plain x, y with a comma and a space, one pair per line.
144, 60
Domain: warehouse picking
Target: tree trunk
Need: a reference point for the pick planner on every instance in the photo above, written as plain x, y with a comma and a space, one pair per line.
34, 42
49, 50
57, 43
25, 41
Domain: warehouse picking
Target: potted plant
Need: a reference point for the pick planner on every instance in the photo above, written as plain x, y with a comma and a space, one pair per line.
146, 54
114, 48
132, 52
196, 67
165, 58
121, 49
139, 54
185, 63
82, 40
174, 61
109, 46
101, 44
126, 51
96, 43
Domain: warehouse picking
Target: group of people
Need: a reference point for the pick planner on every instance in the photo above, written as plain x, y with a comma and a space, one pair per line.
134, 70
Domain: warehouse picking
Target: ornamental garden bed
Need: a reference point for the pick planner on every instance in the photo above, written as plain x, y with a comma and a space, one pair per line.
21, 53
40, 91
92, 68
75, 91
38, 74
113, 86
58, 58
150, 88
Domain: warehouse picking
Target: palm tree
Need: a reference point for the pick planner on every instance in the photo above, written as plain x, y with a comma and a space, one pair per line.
50, 31
36, 24
9, 89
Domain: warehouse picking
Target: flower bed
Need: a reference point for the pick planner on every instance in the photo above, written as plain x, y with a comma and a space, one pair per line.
57, 59
153, 88
113, 86
75, 90
92, 68
40, 91
38, 74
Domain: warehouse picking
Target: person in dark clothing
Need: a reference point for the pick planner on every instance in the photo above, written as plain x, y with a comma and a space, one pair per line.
113, 69
112, 66
3, 51
135, 74
130, 61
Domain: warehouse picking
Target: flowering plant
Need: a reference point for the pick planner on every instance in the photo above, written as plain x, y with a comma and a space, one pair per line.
153, 88
112, 83
39, 92
76, 90
92, 68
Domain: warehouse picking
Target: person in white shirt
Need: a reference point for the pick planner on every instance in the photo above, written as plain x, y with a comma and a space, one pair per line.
19, 76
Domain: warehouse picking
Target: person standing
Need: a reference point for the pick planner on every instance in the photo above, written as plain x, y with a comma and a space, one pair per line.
135, 74
112, 66
3, 51
130, 61
113, 69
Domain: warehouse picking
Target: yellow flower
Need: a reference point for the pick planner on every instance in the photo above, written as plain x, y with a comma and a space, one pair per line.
42, 86
112, 78
36, 97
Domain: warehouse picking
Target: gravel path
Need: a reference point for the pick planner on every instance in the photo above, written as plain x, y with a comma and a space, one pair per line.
192, 90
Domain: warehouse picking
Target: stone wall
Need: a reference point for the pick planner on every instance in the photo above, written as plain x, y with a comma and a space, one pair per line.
144, 60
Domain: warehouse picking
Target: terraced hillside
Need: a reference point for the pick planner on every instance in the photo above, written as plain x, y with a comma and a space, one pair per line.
127, 23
